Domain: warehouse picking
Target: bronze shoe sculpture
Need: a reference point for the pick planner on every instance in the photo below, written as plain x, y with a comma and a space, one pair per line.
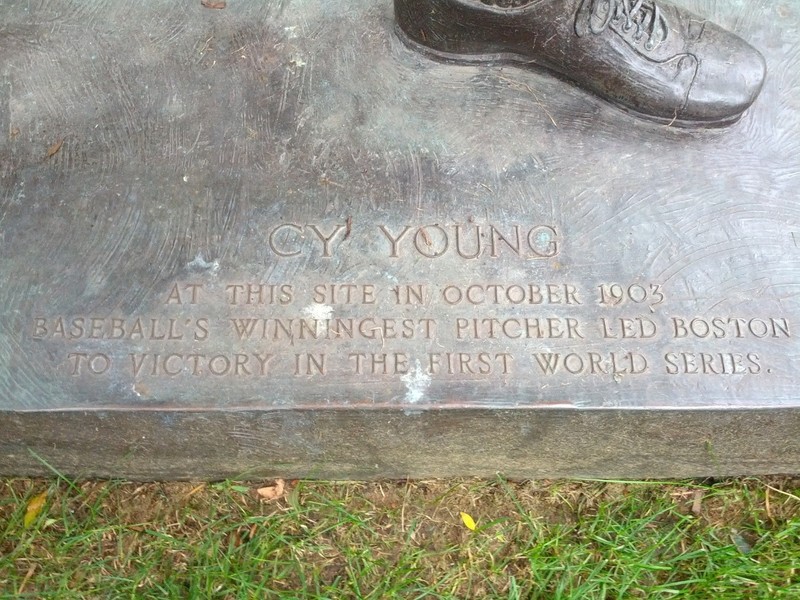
651, 58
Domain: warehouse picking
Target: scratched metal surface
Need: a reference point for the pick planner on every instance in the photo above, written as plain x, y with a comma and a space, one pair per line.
189, 133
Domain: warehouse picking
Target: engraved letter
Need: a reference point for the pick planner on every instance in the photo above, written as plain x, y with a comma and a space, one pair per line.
326, 241
283, 252
394, 241
263, 362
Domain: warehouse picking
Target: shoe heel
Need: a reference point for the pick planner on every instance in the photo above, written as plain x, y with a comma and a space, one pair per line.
450, 30
455, 58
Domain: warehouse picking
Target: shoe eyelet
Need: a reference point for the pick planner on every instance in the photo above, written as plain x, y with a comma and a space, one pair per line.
649, 45
627, 27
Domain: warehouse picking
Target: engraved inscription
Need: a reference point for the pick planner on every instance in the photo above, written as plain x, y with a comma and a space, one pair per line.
380, 330
370, 331
729, 327
196, 364
468, 241
473, 241
592, 363
702, 363
113, 328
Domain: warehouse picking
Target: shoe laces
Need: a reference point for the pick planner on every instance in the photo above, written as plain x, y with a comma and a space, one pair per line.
644, 15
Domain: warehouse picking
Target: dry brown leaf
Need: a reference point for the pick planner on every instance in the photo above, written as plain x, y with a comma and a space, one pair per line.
53, 149
26, 579
697, 503
213, 3
273, 492
196, 489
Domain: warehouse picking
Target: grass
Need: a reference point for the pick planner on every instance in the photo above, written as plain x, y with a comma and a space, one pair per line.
725, 539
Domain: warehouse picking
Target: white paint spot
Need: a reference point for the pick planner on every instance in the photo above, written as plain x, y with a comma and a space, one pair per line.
320, 312
200, 264
417, 383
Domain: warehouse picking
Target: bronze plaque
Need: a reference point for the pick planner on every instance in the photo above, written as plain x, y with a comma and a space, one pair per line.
277, 239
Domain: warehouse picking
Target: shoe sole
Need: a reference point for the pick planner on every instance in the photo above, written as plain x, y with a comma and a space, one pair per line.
517, 60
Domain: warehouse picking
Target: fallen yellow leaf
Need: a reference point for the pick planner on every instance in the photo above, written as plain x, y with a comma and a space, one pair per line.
33, 509
468, 521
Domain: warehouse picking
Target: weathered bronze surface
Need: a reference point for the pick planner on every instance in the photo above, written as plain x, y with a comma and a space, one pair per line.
275, 240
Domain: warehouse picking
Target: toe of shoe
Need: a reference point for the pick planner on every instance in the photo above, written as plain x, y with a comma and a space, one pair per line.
730, 75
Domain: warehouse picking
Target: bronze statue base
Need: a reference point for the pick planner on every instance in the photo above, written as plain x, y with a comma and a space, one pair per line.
275, 240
